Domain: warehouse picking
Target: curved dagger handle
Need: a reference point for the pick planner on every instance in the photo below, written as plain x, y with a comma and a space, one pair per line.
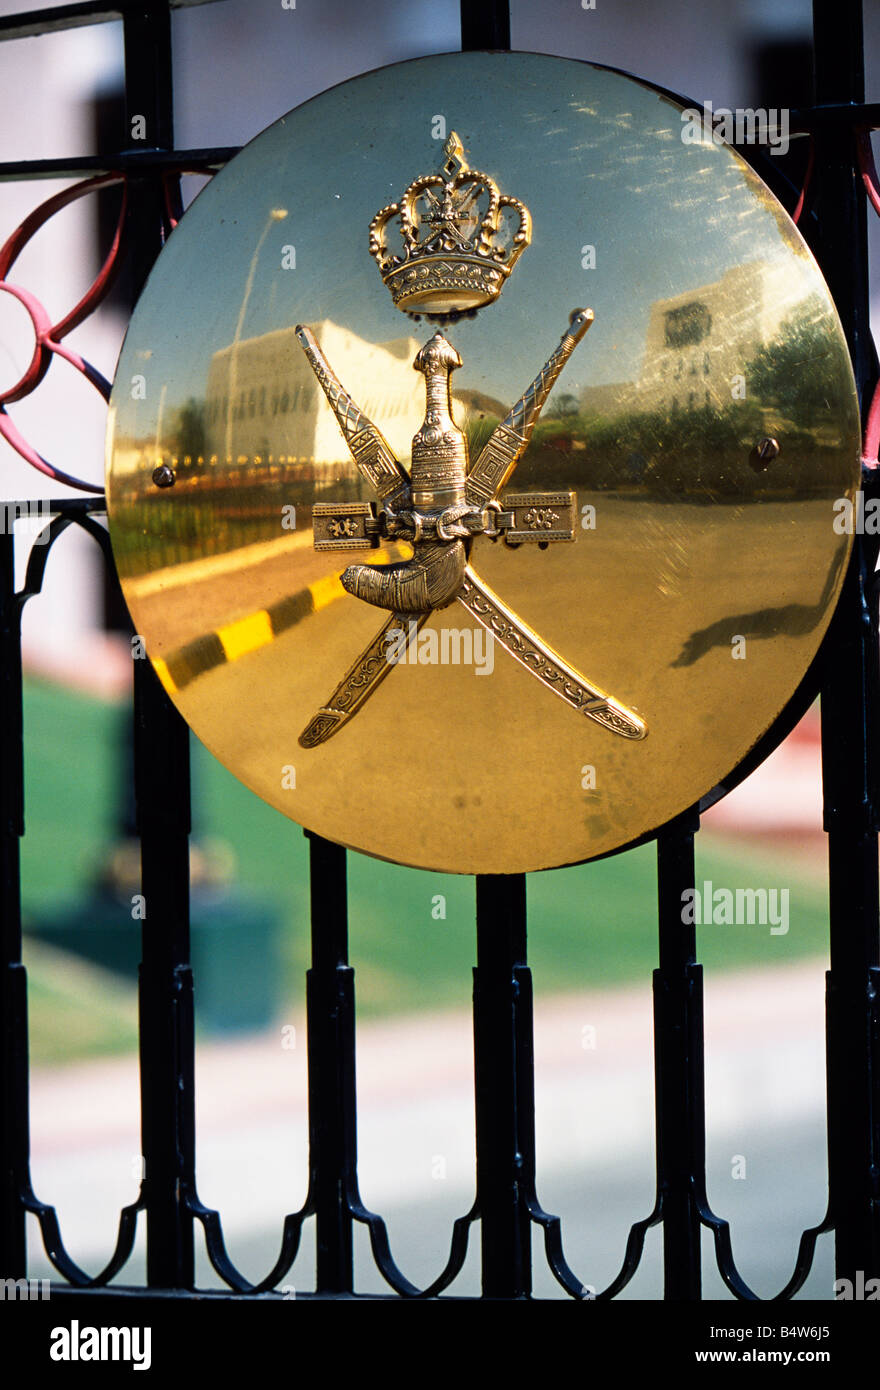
369, 448
508, 441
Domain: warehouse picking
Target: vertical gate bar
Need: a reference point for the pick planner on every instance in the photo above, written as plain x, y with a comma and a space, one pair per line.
678, 1064
504, 1092
485, 24
148, 95
840, 238
161, 760
331, 1065
504, 1115
14, 1116
850, 701
167, 1043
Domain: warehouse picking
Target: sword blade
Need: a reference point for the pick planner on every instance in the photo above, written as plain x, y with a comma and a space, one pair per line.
508, 441
363, 677
541, 661
368, 446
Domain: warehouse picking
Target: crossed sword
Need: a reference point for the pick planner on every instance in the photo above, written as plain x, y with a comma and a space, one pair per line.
360, 527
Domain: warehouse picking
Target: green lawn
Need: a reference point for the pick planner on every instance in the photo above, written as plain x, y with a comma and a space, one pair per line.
76, 1010
590, 925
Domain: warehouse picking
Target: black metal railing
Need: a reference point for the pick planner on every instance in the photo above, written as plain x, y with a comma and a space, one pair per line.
506, 1203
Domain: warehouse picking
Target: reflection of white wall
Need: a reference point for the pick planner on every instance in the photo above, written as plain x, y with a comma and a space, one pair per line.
731, 318
698, 341
263, 397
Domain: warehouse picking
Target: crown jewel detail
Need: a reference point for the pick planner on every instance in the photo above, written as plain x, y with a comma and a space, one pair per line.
452, 226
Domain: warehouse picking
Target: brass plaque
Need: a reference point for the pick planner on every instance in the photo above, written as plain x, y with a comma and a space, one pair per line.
602, 560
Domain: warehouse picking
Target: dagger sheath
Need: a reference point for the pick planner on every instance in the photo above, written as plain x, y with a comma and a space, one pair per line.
360, 680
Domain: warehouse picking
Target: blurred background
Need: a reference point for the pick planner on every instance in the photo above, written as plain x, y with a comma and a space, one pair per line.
239, 66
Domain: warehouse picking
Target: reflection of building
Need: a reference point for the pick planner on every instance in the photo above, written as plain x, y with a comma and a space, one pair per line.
699, 342
610, 399
263, 398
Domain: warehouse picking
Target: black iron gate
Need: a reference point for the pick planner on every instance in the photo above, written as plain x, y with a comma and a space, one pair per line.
506, 1205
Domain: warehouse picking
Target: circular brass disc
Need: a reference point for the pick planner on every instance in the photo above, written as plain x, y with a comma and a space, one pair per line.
701, 578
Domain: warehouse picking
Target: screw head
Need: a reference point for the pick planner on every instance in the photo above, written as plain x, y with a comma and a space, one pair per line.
163, 476
764, 452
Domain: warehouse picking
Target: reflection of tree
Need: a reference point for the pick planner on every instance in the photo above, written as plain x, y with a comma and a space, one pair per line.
188, 432
703, 427
796, 371
650, 448
704, 452
478, 430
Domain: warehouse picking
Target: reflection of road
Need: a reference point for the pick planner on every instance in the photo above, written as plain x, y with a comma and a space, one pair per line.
645, 573
792, 620
224, 607
201, 596
595, 1134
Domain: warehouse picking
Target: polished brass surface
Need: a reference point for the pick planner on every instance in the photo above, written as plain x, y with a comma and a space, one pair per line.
705, 565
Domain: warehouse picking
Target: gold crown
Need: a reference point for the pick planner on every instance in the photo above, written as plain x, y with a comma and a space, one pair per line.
454, 257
